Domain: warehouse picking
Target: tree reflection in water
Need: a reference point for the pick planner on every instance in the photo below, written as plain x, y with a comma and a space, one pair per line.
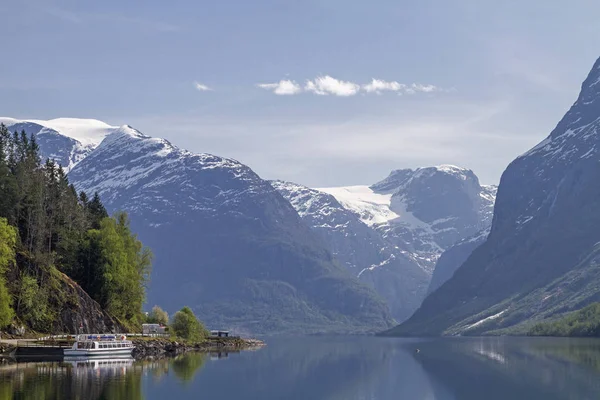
114, 378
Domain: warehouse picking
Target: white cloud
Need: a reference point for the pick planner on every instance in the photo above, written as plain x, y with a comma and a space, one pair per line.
201, 87
327, 85
283, 87
417, 87
324, 85
378, 86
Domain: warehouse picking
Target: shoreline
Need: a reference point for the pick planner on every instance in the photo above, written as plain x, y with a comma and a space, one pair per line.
157, 348
148, 349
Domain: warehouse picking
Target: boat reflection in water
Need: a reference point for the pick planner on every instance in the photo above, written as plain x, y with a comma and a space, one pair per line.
118, 364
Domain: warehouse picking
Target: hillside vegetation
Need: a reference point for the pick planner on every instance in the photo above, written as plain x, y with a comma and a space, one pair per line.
50, 236
585, 322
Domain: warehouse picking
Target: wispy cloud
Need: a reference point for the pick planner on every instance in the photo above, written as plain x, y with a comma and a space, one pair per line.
378, 86
324, 85
201, 87
327, 85
283, 87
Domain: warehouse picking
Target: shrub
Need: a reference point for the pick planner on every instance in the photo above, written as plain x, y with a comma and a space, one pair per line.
185, 325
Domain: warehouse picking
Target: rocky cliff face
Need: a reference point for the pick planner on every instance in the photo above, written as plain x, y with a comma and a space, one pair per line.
81, 314
540, 258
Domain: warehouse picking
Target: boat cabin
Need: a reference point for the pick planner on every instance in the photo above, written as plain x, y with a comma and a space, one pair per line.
87, 345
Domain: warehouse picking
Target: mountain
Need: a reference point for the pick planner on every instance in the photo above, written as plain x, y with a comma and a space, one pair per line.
225, 241
396, 276
454, 257
65, 140
422, 211
390, 234
542, 255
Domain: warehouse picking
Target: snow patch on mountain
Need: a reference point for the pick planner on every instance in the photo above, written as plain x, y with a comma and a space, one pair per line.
65, 140
88, 132
372, 208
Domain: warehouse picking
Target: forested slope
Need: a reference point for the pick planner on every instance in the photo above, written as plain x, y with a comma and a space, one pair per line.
58, 246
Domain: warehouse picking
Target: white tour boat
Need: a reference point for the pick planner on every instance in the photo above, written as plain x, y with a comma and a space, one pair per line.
100, 345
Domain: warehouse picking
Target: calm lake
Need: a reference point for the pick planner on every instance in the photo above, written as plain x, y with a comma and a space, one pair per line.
331, 368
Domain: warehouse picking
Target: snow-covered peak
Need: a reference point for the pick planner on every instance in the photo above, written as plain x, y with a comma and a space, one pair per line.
402, 178
127, 161
88, 132
452, 171
65, 140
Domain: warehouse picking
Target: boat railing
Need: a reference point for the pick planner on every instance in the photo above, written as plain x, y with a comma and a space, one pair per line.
44, 343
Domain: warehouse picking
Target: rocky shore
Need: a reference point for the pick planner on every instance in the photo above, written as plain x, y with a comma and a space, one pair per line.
159, 348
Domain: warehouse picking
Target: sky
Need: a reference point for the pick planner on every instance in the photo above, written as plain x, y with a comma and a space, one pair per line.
322, 93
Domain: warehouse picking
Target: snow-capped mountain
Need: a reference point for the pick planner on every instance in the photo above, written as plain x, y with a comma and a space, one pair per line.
225, 241
541, 257
65, 140
391, 234
391, 271
422, 211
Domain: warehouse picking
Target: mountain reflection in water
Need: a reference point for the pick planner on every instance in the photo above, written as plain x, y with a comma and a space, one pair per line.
330, 368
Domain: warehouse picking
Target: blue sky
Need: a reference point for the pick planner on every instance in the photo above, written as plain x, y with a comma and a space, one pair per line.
472, 82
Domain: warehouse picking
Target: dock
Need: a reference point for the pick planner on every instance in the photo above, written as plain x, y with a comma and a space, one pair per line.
50, 349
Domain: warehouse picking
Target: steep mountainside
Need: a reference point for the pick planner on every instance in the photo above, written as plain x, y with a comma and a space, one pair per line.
225, 241
391, 272
542, 255
454, 257
390, 235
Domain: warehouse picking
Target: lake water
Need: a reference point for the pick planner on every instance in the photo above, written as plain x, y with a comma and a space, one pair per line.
315, 368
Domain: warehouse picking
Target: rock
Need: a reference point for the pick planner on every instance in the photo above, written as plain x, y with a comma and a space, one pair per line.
81, 313
16, 330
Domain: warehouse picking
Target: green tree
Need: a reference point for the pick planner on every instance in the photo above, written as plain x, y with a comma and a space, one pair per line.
54, 229
185, 325
117, 268
8, 241
158, 316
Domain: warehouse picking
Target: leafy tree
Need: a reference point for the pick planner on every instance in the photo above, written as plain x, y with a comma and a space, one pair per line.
117, 267
185, 325
158, 316
8, 241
